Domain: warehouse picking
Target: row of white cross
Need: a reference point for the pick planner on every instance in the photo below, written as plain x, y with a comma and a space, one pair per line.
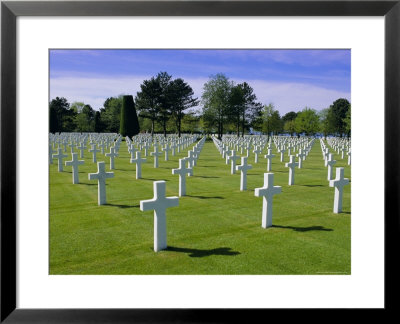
159, 203
269, 190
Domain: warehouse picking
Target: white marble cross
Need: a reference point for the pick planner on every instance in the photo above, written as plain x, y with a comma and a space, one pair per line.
166, 149
233, 157
132, 151
112, 155
82, 147
256, 151
60, 157
94, 150
156, 154
302, 157
338, 183
267, 192
182, 171
51, 151
291, 165
173, 148
282, 150
138, 162
349, 157
269, 156
102, 146
101, 177
146, 146
243, 168
75, 163
72, 146
331, 162
159, 204
190, 159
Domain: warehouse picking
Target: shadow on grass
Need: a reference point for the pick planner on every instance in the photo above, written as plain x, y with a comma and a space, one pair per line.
305, 229
153, 179
89, 184
197, 253
206, 177
122, 206
205, 197
313, 186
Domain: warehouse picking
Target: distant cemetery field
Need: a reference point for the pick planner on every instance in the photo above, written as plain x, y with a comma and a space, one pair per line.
216, 229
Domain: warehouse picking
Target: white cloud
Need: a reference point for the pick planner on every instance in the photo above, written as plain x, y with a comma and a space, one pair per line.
286, 96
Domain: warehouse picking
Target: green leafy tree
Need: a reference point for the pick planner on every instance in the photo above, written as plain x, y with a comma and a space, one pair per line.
164, 100
347, 122
110, 114
251, 108
215, 99
236, 103
129, 124
99, 127
148, 101
180, 96
61, 117
337, 116
269, 119
325, 125
307, 121
276, 122
289, 116
290, 127
77, 106
85, 119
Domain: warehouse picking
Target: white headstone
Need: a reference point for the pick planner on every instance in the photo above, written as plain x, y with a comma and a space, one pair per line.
94, 150
256, 152
182, 171
166, 149
269, 156
101, 177
138, 162
60, 156
233, 157
112, 155
75, 163
338, 183
267, 192
243, 168
291, 165
302, 157
156, 154
51, 151
159, 204
331, 162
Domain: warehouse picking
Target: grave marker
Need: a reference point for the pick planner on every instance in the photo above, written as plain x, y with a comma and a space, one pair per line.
138, 162
291, 165
159, 204
338, 183
60, 156
267, 192
182, 171
101, 177
243, 168
75, 163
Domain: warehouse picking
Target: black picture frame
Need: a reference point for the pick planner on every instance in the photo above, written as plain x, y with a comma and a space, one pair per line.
10, 10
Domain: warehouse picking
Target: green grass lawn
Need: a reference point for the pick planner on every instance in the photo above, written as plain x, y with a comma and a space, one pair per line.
215, 230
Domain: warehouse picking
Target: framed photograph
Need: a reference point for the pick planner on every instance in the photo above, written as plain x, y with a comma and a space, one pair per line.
45, 276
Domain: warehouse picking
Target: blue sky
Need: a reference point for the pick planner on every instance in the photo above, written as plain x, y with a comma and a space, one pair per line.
290, 79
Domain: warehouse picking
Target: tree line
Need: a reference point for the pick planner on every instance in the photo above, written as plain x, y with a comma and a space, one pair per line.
163, 106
